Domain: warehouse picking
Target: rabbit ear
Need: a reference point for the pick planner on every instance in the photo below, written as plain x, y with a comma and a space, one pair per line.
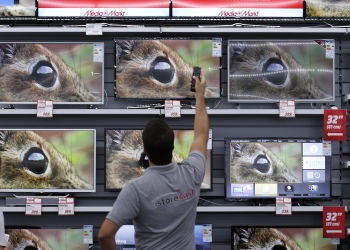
3, 137
2, 55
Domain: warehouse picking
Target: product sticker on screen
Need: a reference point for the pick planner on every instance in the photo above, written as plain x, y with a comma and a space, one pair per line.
47, 161
121, 167
267, 168
66, 73
17, 9
279, 238
273, 70
159, 69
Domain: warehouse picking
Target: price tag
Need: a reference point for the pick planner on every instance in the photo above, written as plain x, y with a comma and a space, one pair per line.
94, 29
33, 206
283, 206
172, 108
66, 206
287, 108
44, 109
207, 233
88, 230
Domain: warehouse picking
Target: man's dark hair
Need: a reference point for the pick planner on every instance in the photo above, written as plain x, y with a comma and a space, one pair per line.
158, 140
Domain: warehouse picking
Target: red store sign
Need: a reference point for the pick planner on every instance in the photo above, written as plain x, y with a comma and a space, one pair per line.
334, 125
334, 222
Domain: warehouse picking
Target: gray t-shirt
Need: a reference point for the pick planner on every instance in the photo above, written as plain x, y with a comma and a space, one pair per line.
162, 204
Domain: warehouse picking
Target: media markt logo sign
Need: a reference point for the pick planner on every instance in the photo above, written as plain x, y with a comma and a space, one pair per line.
104, 13
238, 13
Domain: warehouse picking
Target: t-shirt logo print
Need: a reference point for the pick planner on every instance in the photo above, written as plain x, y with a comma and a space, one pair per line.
170, 198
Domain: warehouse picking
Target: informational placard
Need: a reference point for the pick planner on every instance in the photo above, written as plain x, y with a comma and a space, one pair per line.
334, 222
33, 206
103, 8
217, 47
283, 206
334, 125
237, 8
44, 109
207, 233
172, 108
88, 234
66, 206
94, 29
287, 108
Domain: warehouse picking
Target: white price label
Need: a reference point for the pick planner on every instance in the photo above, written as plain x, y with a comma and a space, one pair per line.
44, 109
94, 29
216, 47
88, 232
287, 108
66, 206
33, 206
172, 108
207, 233
283, 206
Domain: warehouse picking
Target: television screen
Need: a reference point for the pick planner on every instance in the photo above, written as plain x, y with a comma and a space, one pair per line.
269, 71
125, 239
162, 68
327, 9
17, 9
66, 73
279, 238
237, 8
47, 238
124, 148
105, 9
47, 160
271, 167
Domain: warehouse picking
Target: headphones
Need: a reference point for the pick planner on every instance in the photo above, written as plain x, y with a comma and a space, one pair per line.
144, 160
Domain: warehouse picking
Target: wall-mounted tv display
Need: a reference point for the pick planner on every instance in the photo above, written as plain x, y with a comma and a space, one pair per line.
162, 68
125, 238
279, 238
66, 73
327, 9
276, 167
17, 9
273, 70
236, 8
103, 9
123, 150
47, 238
40, 161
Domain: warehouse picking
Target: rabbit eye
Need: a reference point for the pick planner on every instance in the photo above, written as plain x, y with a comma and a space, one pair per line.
44, 74
36, 161
276, 72
162, 70
262, 164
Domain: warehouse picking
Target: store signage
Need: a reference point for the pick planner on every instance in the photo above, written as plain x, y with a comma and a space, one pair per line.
334, 125
237, 8
334, 222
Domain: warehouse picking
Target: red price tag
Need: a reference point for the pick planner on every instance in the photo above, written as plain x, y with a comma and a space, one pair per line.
172, 108
33, 206
66, 206
44, 108
334, 123
334, 222
283, 206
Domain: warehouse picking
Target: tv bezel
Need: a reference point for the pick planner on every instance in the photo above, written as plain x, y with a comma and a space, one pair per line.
103, 17
230, 100
276, 227
158, 99
139, 128
57, 190
227, 156
102, 94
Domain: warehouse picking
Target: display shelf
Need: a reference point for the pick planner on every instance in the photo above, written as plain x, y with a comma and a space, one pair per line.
160, 29
158, 111
206, 209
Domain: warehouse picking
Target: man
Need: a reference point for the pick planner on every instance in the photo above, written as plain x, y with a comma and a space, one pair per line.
163, 202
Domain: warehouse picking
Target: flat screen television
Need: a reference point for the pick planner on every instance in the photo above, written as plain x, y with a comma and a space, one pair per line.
125, 239
66, 73
103, 9
324, 9
47, 161
273, 70
276, 167
123, 148
236, 8
17, 9
266, 238
47, 238
159, 68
